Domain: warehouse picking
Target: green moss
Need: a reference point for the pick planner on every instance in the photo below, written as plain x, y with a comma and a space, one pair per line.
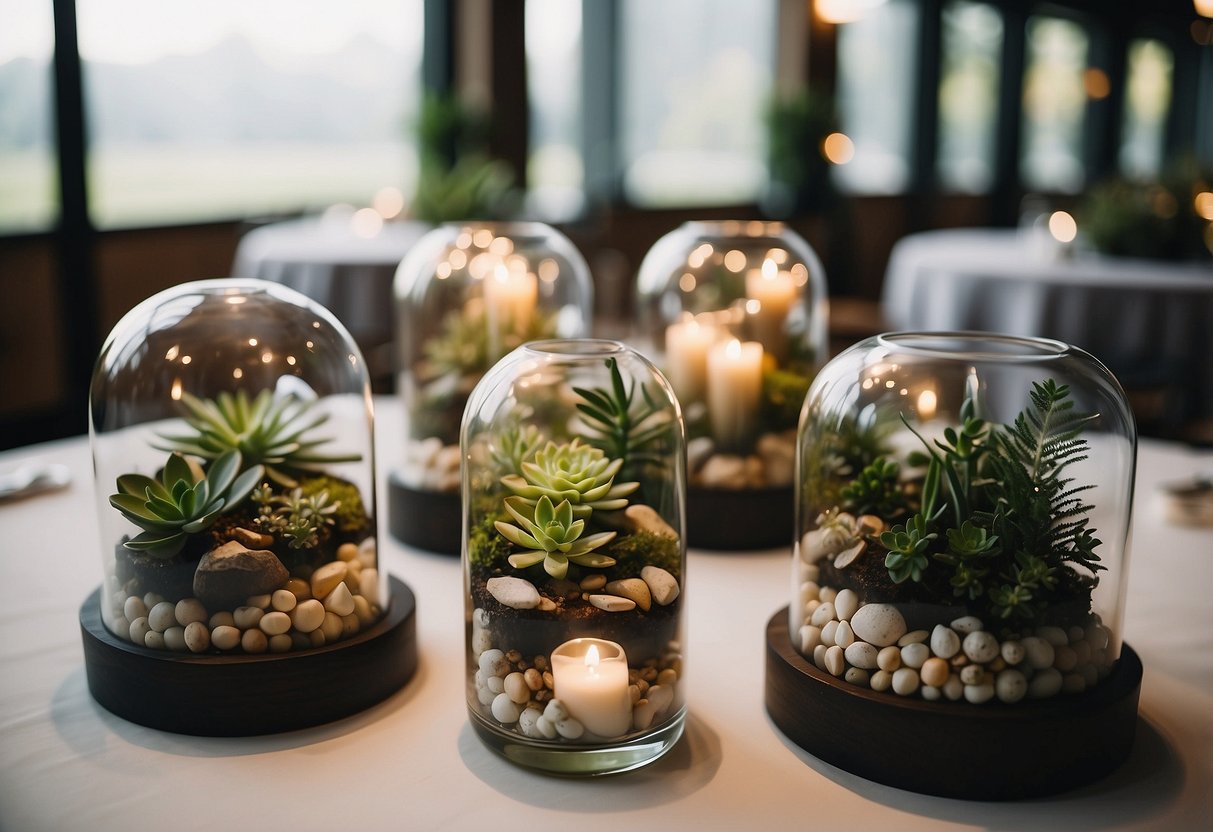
783, 393
635, 551
351, 516
486, 548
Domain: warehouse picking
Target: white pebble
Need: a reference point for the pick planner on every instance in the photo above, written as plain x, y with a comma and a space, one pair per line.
972, 674
332, 626
810, 637
1097, 634
889, 658
978, 694
162, 616
967, 624
546, 727
931, 693
254, 641
280, 643
819, 656
881, 681
308, 615
261, 602
829, 633
154, 640
662, 696
121, 627
1010, 686
283, 600
1045, 684
856, 676
913, 637
835, 661
225, 637
610, 603
325, 579
905, 681
878, 624
845, 604
274, 623
247, 617
823, 614
1012, 652
1038, 652
493, 663
174, 638
481, 641
861, 654
339, 602
844, 636
197, 637
139, 629
505, 710
556, 711
483, 694
980, 646
915, 655
662, 585
134, 608
810, 608
953, 689
1054, 635
809, 590
944, 642
368, 584
828, 594
151, 599
570, 728
527, 723
516, 688
223, 618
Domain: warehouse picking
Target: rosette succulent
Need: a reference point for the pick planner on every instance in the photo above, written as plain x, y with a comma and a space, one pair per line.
182, 502
574, 472
265, 430
549, 534
515, 446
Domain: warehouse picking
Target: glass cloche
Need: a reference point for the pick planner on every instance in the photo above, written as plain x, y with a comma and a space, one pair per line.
735, 314
466, 295
574, 558
231, 429
963, 513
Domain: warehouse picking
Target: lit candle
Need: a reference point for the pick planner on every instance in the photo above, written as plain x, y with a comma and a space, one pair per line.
772, 294
591, 679
510, 298
686, 357
734, 392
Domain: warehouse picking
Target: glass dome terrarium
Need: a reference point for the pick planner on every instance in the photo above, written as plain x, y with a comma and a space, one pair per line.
963, 509
231, 429
466, 295
574, 558
735, 313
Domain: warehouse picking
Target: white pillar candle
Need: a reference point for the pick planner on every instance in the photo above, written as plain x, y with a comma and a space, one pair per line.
591, 679
509, 299
734, 392
771, 294
686, 357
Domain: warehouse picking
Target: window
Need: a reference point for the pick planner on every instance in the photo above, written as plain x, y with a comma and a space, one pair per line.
971, 40
209, 109
28, 180
696, 78
1054, 105
555, 174
876, 75
1147, 99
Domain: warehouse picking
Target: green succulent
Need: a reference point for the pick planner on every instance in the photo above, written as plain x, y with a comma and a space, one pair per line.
265, 430
574, 472
182, 502
907, 547
515, 446
297, 517
550, 534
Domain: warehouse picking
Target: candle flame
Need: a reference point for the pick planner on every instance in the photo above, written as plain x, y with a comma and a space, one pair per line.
733, 350
769, 269
591, 657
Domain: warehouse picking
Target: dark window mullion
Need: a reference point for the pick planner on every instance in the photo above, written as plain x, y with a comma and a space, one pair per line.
600, 96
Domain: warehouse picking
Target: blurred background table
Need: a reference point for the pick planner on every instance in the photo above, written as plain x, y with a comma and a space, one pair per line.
348, 273
413, 761
1150, 321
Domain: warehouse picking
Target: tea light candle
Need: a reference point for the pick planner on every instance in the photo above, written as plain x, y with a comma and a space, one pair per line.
772, 294
734, 391
510, 298
591, 679
686, 356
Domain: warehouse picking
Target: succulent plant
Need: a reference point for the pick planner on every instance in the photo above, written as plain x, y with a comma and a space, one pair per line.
516, 445
624, 426
182, 502
265, 430
295, 516
549, 534
580, 474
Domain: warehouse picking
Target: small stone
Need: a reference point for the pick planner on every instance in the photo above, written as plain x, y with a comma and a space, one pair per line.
857, 676
154, 640
1012, 652
189, 610
533, 679
151, 599
1038, 652
516, 688
699, 450
332, 627
162, 616
862, 655
251, 539
546, 605
247, 617
134, 608
593, 582
845, 604
905, 681
339, 601
633, 589
1010, 686
495, 684
835, 661
829, 633
225, 637
810, 637
980, 646
226, 575
493, 663
301, 589
662, 696
667, 677
308, 615
977, 694
546, 728
481, 641
823, 614
724, 471
612, 603
935, 672
326, 578
174, 638
1065, 658
819, 656
254, 641
283, 600
967, 624
261, 602
1045, 684
661, 584
274, 623
913, 637
644, 518
889, 658
280, 643
844, 636
973, 674
1054, 635
828, 594
809, 590
847, 556
505, 710
881, 681
930, 693
223, 618
368, 585
878, 624
197, 637
527, 723
944, 642
515, 593
347, 552
953, 689
915, 655
1082, 651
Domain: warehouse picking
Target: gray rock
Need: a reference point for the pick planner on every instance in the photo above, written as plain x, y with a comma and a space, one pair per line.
231, 573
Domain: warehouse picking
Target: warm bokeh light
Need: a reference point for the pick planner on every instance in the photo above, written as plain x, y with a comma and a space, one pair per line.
389, 202
843, 11
838, 148
1204, 204
1204, 8
366, 222
1063, 227
734, 261
1095, 82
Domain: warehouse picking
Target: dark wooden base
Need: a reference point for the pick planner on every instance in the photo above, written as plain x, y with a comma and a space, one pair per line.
242, 695
430, 520
741, 520
953, 749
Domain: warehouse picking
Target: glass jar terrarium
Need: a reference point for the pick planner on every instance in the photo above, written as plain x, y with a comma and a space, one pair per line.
735, 313
574, 558
231, 430
466, 295
963, 508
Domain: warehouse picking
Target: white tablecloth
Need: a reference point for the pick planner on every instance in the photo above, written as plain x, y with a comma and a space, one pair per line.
413, 762
1148, 320
324, 259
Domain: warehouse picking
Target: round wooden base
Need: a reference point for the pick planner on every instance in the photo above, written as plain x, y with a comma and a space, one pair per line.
243, 695
740, 520
430, 520
953, 749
